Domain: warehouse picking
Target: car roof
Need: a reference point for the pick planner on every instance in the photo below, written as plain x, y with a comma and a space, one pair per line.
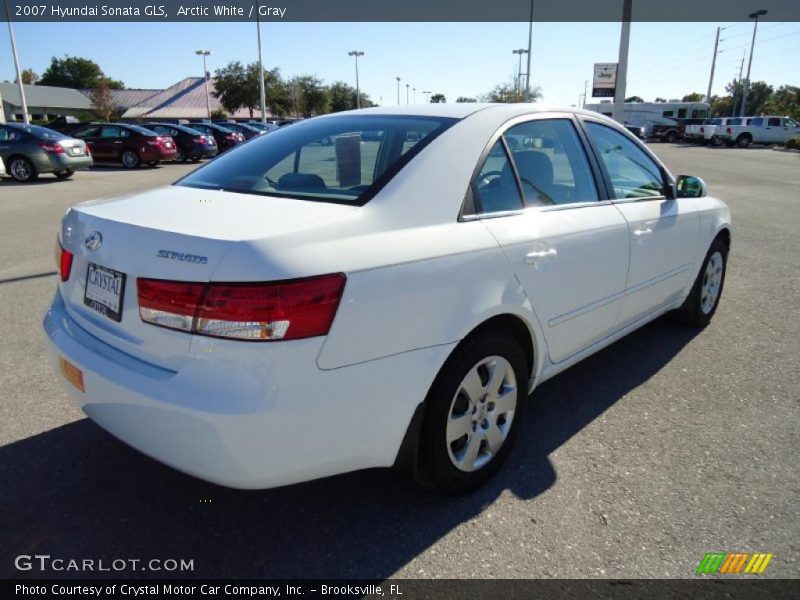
461, 110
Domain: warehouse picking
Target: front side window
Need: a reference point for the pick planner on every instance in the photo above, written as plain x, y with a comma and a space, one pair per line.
8, 135
344, 159
87, 133
632, 172
551, 162
109, 132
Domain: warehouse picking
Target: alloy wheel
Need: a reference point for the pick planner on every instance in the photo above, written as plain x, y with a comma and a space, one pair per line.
20, 169
712, 282
481, 413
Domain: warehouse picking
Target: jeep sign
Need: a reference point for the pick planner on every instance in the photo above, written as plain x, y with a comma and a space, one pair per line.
605, 80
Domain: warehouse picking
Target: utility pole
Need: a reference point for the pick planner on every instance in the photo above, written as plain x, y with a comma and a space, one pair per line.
356, 54
739, 81
530, 39
414, 90
713, 64
262, 93
585, 86
746, 91
398, 91
23, 101
427, 96
622, 65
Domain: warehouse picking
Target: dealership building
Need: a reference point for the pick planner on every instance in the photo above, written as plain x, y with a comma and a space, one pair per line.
44, 102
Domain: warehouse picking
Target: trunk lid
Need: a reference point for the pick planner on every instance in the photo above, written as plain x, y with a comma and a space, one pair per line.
174, 233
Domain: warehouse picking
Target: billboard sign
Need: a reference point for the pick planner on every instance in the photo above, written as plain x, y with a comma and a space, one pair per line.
604, 82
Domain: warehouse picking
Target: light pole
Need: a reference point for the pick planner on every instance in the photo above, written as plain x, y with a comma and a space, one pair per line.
622, 65
205, 53
414, 91
356, 54
528, 72
753, 15
262, 93
398, 91
519, 51
23, 101
408, 85
427, 96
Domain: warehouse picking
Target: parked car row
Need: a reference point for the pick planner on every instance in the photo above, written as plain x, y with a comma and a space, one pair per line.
743, 131
28, 151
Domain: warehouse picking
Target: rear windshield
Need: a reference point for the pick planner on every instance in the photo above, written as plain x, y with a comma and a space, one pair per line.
342, 159
43, 133
141, 130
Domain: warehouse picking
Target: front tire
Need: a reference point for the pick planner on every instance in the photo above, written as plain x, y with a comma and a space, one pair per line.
701, 304
744, 140
130, 159
472, 413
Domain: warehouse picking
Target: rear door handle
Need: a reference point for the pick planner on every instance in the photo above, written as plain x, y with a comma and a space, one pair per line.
548, 254
642, 232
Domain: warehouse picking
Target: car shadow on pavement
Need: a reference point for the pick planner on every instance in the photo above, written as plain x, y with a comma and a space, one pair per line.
75, 492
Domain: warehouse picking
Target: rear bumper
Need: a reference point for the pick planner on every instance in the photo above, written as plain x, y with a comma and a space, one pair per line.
55, 163
247, 415
198, 151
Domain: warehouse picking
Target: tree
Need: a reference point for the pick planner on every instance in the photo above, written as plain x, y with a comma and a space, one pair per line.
438, 98
464, 99
784, 101
693, 97
77, 73
757, 96
660, 99
343, 97
103, 105
508, 93
634, 99
307, 95
29, 77
235, 89
219, 113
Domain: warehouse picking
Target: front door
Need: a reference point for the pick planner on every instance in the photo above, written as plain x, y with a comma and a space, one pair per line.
567, 246
663, 232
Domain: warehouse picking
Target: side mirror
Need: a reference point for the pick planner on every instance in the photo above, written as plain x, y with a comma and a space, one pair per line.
689, 186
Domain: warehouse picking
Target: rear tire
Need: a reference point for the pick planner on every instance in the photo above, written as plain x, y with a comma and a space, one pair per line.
701, 304
671, 137
65, 174
744, 140
472, 413
130, 159
21, 169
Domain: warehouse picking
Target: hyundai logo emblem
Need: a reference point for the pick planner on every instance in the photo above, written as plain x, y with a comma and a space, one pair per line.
94, 241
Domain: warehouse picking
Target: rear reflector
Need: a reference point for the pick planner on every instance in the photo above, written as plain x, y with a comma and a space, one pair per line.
283, 310
63, 261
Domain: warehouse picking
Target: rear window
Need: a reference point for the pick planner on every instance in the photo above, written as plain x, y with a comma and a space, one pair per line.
43, 133
141, 130
342, 159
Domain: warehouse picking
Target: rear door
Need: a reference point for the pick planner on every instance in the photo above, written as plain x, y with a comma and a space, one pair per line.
567, 244
662, 231
773, 130
91, 135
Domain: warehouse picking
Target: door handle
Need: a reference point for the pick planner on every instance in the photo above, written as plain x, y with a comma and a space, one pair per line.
117, 142
642, 232
548, 254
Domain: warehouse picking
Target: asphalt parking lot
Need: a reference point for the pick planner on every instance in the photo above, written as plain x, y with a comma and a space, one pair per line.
635, 463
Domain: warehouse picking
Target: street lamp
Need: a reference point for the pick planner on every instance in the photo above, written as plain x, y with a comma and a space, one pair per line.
356, 54
205, 53
408, 85
23, 101
427, 96
414, 90
519, 51
746, 91
398, 91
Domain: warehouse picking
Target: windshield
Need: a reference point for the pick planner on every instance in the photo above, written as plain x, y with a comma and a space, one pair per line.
344, 159
43, 133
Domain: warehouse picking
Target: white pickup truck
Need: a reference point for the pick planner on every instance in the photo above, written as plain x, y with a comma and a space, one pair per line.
761, 130
709, 131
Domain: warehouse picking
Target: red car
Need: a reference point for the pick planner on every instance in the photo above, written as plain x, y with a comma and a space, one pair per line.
130, 145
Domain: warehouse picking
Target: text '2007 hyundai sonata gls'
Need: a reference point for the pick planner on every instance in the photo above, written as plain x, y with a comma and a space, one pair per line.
371, 288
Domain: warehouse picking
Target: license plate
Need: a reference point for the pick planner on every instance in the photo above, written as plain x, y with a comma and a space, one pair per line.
76, 151
71, 373
105, 289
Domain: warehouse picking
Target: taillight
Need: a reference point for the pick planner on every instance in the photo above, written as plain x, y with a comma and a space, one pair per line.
199, 139
63, 261
54, 148
284, 310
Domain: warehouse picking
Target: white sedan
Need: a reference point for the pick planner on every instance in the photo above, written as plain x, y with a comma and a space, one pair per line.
371, 288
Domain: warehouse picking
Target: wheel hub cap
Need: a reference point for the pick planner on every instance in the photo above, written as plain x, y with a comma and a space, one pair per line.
712, 282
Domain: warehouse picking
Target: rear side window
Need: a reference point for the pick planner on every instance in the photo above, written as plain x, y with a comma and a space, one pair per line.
344, 159
8, 135
632, 172
551, 162
756, 122
774, 122
110, 132
496, 186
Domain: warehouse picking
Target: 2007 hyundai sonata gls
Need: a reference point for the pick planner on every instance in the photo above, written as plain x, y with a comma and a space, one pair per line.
374, 286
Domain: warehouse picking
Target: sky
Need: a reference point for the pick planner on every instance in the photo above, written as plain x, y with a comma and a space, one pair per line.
456, 59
